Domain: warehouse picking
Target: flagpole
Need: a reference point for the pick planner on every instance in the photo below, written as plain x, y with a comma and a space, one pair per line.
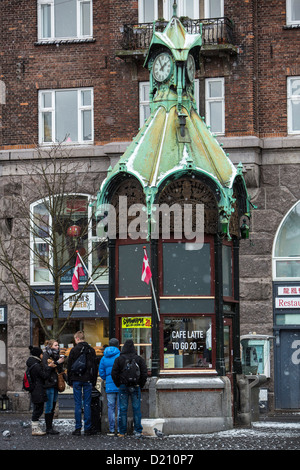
92, 281
153, 292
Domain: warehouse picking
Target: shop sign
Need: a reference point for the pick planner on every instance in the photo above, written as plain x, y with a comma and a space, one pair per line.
292, 302
85, 302
288, 290
136, 322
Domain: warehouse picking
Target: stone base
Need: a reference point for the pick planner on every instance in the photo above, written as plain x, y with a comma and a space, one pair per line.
150, 424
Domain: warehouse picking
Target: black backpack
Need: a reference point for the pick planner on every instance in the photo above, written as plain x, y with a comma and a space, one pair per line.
79, 365
28, 383
130, 374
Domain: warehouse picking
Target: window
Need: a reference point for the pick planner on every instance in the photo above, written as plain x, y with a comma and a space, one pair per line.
293, 12
64, 19
188, 8
66, 116
214, 8
286, 252
293, 103
57, 234
215, 105
148, 11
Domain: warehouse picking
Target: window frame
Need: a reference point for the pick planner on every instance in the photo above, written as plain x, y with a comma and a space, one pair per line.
209, 100
207, 8
53, 37
181, 9
290, 99
80, 109
289, 21
141, 12
103, 279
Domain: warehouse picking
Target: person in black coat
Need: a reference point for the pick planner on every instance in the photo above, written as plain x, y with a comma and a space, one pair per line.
127, 390
83, 382
39, 375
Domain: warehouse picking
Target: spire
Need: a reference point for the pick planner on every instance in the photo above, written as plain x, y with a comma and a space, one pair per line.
175, 8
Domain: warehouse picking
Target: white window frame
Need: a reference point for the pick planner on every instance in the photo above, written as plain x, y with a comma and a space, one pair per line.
142, 13
209, 100
207, 9
181, 8
289, 21
290, 99
52, 37
51, 110
103, 279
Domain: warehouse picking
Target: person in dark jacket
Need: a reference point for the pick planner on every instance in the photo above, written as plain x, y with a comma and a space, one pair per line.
51, 354
126, 390
111, 352
39, 375
82, 383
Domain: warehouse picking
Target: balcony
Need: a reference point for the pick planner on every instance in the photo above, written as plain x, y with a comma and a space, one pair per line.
217, 36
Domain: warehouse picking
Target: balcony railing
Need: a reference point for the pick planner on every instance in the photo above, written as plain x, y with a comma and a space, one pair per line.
214, 31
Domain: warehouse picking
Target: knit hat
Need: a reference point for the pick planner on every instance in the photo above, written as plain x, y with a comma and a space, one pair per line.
35, 351
114, 342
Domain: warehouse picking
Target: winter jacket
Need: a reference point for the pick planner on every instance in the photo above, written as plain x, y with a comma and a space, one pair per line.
105, 367
39, 375
91, 372
128, 352
51, 381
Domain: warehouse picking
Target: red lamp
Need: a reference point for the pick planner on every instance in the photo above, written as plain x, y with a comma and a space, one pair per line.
74, 231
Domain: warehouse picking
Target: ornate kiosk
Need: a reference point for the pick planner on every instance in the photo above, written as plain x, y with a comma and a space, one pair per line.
176, 195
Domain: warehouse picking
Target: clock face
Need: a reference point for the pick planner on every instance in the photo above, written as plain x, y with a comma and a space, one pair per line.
191, 68
162, 67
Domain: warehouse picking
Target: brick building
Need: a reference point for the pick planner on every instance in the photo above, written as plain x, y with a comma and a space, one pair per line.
83, 81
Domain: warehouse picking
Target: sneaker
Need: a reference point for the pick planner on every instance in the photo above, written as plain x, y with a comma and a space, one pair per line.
120, 435
111, 433
77, 432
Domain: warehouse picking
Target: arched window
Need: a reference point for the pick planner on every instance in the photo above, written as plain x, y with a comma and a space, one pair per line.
286, 248
59, 227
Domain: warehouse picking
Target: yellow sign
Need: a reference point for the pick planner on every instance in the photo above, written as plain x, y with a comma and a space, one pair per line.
136, 322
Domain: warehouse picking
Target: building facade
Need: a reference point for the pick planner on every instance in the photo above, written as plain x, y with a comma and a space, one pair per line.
82, 82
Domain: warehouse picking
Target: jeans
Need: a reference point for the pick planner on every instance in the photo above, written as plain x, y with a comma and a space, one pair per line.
112, 403
52, 394
135, 394
85, 389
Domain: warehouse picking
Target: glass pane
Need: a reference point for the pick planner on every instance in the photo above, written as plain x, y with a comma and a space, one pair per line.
288, 268
139, 330
185, 271
85, 19
187, 342
296, 115
46, 21
288, 239
145, 92
47, 100
41, 262
40, 228
227, 349
66, 108
130, 271
215, 89
47, 127
65, 18
288, 319
295, 10
227, 270
148, 11
87, 125
295, 87
100, 261
215, 10
216, 118
189, 8
86, 98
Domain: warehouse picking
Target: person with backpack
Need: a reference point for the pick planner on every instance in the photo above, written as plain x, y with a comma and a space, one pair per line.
38, 375
111, 352
51, 354
129, 374
82, 374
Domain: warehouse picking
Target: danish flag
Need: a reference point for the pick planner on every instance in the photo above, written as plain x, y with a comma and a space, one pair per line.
78, 271
146, 271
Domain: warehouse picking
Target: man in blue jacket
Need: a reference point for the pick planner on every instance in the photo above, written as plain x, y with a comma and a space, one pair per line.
111, 352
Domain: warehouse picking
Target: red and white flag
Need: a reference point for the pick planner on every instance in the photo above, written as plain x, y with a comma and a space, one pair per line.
78, 271
146, 271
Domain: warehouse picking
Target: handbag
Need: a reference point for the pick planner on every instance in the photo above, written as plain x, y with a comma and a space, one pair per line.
61, 384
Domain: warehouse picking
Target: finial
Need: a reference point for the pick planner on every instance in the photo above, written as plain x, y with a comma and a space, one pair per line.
175, 8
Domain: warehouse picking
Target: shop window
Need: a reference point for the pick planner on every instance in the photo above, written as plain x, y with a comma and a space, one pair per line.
293, 103
293, 12
56, 235
187, 342
139, 330
66, 19
186, 270
215, 105
286, 250
130, 262
66, 116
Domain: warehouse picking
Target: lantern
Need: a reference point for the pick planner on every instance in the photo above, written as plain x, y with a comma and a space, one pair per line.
74, 231
5, 402
244, 230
